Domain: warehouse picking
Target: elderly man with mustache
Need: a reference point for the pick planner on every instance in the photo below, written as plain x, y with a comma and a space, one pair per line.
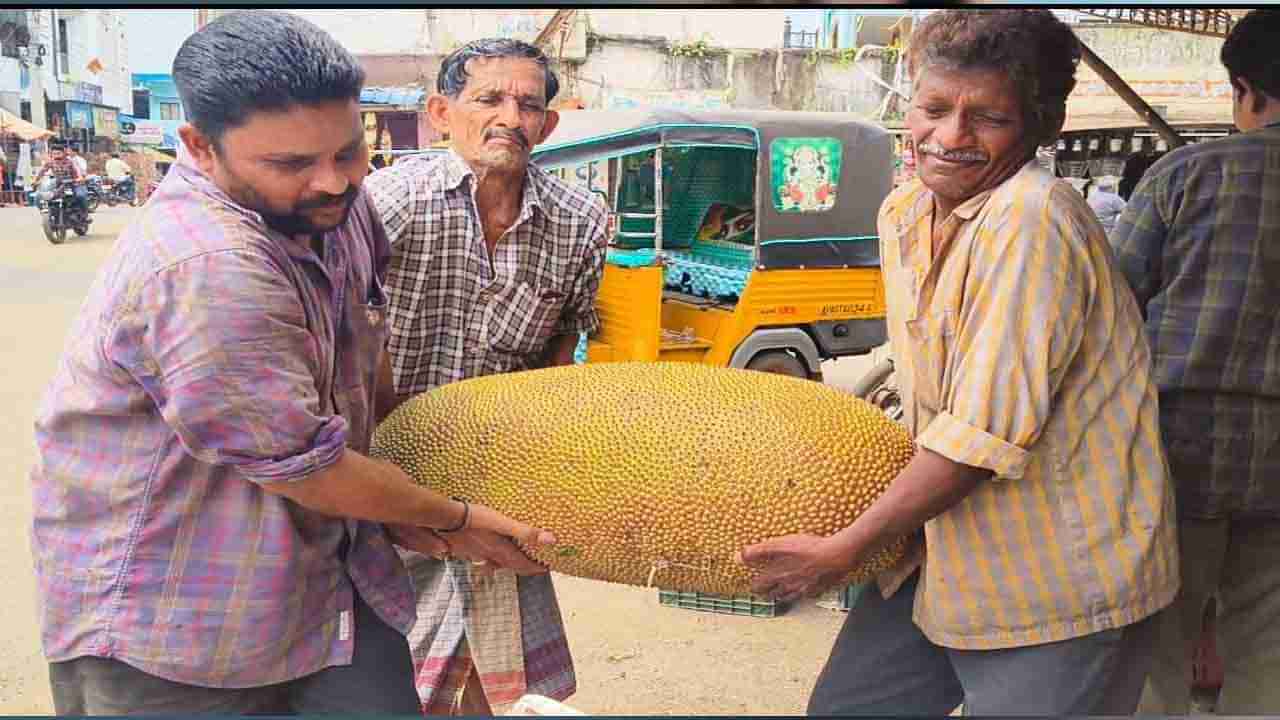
1040, 482
495, 266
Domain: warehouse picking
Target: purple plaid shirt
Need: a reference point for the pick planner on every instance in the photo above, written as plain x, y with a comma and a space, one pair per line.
213, 354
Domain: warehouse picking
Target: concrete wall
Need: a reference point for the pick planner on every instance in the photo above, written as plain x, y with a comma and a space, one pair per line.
436, 30
399, 70
745, 28
399, 32
10, 76
1177, 71
110, 46
621, 73
91, 35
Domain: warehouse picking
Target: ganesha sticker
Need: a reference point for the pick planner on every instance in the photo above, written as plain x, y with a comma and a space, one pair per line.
806, 172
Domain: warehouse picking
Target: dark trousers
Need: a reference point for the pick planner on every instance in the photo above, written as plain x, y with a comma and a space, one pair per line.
379, 680
882, 664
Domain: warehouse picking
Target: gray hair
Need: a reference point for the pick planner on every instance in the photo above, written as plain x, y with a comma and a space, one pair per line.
1035, 49
453, 70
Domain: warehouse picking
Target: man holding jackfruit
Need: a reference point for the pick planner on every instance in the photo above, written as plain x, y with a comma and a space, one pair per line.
1039, 479
495, 267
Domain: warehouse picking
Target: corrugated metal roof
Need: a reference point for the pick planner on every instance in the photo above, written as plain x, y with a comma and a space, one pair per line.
397, 96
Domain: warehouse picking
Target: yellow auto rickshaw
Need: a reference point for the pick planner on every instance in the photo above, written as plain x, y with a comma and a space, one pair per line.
742, 239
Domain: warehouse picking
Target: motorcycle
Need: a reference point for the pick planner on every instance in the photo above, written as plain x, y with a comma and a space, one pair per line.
95, 192
124, 191
60, 210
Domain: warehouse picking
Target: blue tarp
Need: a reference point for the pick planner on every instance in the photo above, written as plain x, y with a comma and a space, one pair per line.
397, 96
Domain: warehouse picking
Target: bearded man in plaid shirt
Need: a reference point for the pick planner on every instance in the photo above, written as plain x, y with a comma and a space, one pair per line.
495, 267
207, 532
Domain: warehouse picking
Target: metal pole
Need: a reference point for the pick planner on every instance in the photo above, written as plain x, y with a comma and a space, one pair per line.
1131, 98
657, 200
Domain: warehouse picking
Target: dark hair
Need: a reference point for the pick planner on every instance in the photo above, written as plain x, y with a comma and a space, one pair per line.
1134, 168
259, 60
1250, 53
453, 70
1033, 47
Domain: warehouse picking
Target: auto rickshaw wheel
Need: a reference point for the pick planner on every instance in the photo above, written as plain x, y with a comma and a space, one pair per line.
779, 362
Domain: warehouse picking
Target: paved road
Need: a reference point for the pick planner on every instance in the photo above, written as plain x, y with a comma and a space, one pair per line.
633, 656
41, 286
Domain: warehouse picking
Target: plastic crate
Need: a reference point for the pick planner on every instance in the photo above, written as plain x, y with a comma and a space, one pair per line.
843, 599
746, 605
849, 596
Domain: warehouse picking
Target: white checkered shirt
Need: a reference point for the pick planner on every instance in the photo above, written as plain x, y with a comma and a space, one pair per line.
455, 316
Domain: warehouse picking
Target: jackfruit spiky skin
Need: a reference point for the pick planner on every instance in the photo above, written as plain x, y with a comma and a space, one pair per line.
653, 473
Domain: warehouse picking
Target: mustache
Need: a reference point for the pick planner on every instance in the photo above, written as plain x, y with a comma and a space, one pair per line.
326, 200
515, 134
953, 155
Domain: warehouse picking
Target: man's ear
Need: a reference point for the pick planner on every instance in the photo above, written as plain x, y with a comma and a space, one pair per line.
548, 126
1247, 89
438, 111
199, 146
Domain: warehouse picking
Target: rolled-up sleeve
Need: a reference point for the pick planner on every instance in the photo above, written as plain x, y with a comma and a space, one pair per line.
220, 343
1021, 323
579, 313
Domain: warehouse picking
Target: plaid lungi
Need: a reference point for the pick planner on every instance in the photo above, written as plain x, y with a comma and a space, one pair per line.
514, 634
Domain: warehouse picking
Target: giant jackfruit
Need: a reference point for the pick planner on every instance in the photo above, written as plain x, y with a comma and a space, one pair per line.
653, 473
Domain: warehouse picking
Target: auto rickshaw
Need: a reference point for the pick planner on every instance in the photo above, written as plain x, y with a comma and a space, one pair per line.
738, 238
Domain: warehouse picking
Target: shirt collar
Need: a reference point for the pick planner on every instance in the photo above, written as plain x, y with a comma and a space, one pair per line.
457, 170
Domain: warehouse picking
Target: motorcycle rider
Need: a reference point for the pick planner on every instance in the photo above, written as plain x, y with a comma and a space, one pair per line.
121, 176
80, 162
64, 168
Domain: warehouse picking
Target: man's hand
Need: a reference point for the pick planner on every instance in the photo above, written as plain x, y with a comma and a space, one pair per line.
418, 539
795, 566
484, 547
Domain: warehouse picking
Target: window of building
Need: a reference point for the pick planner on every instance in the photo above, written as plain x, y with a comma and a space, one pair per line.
142, 104
64, 47
170, 111
13, 32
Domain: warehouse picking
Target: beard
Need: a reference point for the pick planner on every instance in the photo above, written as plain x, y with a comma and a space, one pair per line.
295, 222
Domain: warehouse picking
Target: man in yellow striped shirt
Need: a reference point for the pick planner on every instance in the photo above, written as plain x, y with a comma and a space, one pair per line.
1040, 481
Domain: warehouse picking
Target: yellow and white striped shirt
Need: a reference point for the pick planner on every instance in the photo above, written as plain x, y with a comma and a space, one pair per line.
1019, 349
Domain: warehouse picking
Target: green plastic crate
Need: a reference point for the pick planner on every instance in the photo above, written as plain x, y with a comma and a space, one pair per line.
746, 605
849, 596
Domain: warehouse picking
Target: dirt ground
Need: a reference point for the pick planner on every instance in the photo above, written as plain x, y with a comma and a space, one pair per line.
633, 655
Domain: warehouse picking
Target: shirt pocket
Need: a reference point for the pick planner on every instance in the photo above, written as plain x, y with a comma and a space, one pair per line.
358, 375
931, 336
519, 318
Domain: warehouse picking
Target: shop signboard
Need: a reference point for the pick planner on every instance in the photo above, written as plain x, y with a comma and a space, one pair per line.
142, 132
